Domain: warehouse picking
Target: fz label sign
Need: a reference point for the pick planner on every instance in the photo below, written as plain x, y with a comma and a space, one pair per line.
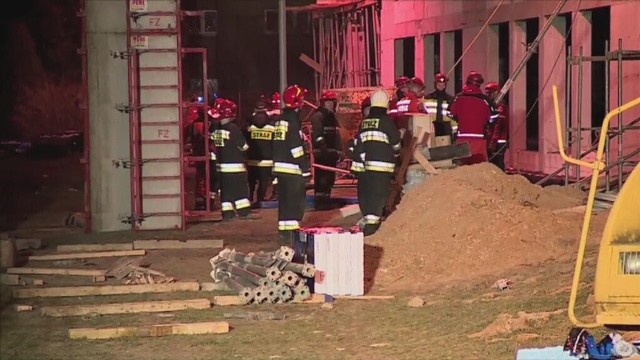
138, 5
163, 134
139, 42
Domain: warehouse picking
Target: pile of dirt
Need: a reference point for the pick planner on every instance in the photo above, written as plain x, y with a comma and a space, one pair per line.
471, 222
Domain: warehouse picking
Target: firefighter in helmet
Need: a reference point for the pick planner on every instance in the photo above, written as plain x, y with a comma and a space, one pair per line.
230, 146
291, 164
437, 104
402, 87
377, 146
473, 110
497, 131
259, 136
326, 144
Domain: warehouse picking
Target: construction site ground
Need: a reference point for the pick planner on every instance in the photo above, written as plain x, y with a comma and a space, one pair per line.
460, 319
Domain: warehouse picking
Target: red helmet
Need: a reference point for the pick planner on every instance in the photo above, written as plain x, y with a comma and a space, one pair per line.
275, 100
441, 79
475, 78
416, 84
402, 81
492, 86
365, 103
329, 95
223, 109
293, 96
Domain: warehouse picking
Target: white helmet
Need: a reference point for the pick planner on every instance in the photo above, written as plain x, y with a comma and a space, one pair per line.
380, 98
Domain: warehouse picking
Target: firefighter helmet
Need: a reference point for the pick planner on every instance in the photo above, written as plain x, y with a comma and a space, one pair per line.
380, 98
262, 104
328, 96
475, 78
365, 103
275, 101
492, 86
293, 96
402, 81
441, 79
223, 109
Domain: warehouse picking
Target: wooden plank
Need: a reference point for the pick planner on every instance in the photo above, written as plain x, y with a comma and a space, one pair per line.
28, 244
311, 63
55, 271
217, 327
9, 279
126, 308
177, 244
425, 163
21, 308
120, 269
87, 255
91, 290
94, 247
365, 297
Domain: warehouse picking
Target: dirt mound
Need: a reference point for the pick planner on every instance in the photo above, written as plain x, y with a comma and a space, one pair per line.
507, 323
471, 222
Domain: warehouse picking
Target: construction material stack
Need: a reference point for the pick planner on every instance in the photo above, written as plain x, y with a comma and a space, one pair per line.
265, 277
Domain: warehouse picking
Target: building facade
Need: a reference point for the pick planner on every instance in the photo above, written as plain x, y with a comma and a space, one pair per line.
421, 38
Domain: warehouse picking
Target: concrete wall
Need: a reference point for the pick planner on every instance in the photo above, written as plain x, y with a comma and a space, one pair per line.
109, 129
418, 18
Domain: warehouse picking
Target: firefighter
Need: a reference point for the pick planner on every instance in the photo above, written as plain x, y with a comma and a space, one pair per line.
357, 166
377, 146
472, 110
230, 146
497, 133
274, 114
198, 138
402, 86
326, 144
437, 104
260, 154
291, 164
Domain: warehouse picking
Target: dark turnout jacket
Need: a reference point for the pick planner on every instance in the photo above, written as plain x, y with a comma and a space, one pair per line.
377, 143
289, 156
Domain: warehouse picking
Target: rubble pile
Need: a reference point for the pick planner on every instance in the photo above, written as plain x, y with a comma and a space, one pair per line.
470, 222
265, 277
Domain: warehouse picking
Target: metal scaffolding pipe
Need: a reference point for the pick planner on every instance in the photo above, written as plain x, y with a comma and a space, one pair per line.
251, 259
306, 270
237, 271
282, 43
567, 120
579, 114
245, 293
290, 278
272, 273
607, 175
620, 127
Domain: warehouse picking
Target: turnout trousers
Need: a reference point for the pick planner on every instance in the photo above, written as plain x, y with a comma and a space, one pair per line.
478, 147
292, 201
233, 194
324, 180
373, 190
260, 176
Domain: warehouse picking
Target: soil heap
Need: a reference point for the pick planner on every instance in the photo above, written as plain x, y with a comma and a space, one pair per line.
471, 222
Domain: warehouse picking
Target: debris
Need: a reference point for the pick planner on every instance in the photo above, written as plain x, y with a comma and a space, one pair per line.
507, 323
69, 291
255, 316
327, 306
220, 327
28, 244
126, 308
21, 308
262, 278
503, 284
87, 255
416, 302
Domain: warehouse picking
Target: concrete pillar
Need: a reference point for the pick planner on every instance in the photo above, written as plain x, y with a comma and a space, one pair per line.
398, 58
492, 54
581, 37
551, 49
517, 96
447, 57
476, 56
387, 46
430, 67
109, 128
419, 56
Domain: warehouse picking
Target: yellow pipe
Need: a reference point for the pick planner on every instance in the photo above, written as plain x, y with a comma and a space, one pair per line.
596, 166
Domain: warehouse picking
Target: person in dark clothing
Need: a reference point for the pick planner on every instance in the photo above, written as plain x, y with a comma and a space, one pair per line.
259, 136
473, 110
326, 145
437, 104
377, 146
291, 165
275, 109
231, 146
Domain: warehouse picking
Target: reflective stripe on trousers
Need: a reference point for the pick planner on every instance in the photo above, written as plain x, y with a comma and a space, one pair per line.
285, 225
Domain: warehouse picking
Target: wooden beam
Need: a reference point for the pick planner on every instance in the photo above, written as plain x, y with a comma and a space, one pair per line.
177, 244
9, 279
219, 327
55, 271
26, 244
87, 255
312, 63
422, 160
94, 247
91, 290
126, 308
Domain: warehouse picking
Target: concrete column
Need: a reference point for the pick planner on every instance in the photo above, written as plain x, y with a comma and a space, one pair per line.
517, 96
387, 46
419, 56
581, 37
476, 56
447, 57
492, 54
551, 48
398, 58
109, 129
429, 68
